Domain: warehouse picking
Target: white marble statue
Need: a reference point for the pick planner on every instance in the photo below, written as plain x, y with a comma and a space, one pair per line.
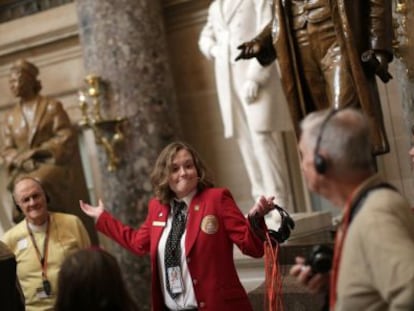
252, 103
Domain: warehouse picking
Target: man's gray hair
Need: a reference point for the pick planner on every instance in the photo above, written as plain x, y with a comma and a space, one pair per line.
345, 139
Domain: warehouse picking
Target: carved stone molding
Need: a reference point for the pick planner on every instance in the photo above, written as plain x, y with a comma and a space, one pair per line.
53, 26
14, 9
171, 3
184, 13
53, 45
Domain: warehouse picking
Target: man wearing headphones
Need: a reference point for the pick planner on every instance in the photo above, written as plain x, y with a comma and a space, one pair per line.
374, 245
40, 243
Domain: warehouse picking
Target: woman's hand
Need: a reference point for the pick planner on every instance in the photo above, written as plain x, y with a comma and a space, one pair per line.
92, 211
262, 207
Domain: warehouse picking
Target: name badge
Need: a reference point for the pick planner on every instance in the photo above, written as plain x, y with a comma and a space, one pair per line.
174, 280
40, 293
158, 223
22, 244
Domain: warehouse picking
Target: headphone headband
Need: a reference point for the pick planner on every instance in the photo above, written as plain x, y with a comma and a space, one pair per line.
287, 224
318, 160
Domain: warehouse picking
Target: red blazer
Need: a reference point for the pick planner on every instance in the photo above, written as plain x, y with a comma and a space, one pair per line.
214, 224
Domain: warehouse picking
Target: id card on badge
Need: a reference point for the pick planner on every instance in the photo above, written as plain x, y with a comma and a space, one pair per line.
174, 278
40, 293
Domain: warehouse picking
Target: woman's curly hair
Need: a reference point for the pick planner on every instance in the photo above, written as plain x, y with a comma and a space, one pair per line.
162, 171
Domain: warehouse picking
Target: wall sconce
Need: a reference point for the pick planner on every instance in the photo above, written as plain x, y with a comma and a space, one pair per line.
107, 132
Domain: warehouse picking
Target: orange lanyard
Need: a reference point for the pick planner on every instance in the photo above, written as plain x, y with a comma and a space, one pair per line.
339, 241
42, 259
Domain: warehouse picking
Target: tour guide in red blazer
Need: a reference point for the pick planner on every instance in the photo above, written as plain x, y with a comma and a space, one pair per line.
213, 224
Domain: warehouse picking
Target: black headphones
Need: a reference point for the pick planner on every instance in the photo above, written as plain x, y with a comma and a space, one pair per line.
287, 224
320, 163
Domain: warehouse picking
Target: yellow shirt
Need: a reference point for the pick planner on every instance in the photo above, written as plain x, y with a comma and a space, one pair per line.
66, 235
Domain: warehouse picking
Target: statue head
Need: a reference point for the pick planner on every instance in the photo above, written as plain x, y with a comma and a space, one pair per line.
24, 65
23, 79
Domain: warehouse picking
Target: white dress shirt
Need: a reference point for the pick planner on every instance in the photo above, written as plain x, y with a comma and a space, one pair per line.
187, 299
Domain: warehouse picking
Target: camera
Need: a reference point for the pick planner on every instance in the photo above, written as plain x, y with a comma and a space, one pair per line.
320, 259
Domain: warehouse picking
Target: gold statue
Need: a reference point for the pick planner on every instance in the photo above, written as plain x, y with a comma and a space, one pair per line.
329, 53
39, 141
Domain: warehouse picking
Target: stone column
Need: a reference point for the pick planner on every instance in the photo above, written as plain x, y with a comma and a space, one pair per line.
124, 43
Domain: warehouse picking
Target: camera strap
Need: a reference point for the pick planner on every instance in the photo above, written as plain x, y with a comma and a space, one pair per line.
352, 207
358, 202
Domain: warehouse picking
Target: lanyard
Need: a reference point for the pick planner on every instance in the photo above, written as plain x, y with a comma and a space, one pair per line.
42, 259
353, 205
339, 241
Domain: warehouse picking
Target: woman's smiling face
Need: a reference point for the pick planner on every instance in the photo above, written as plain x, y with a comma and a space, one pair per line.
183, 177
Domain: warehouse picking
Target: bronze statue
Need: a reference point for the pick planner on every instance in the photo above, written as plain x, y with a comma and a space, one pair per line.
329, 53
39, 141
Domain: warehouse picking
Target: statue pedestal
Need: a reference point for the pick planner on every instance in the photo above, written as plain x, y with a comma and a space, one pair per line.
310, 229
